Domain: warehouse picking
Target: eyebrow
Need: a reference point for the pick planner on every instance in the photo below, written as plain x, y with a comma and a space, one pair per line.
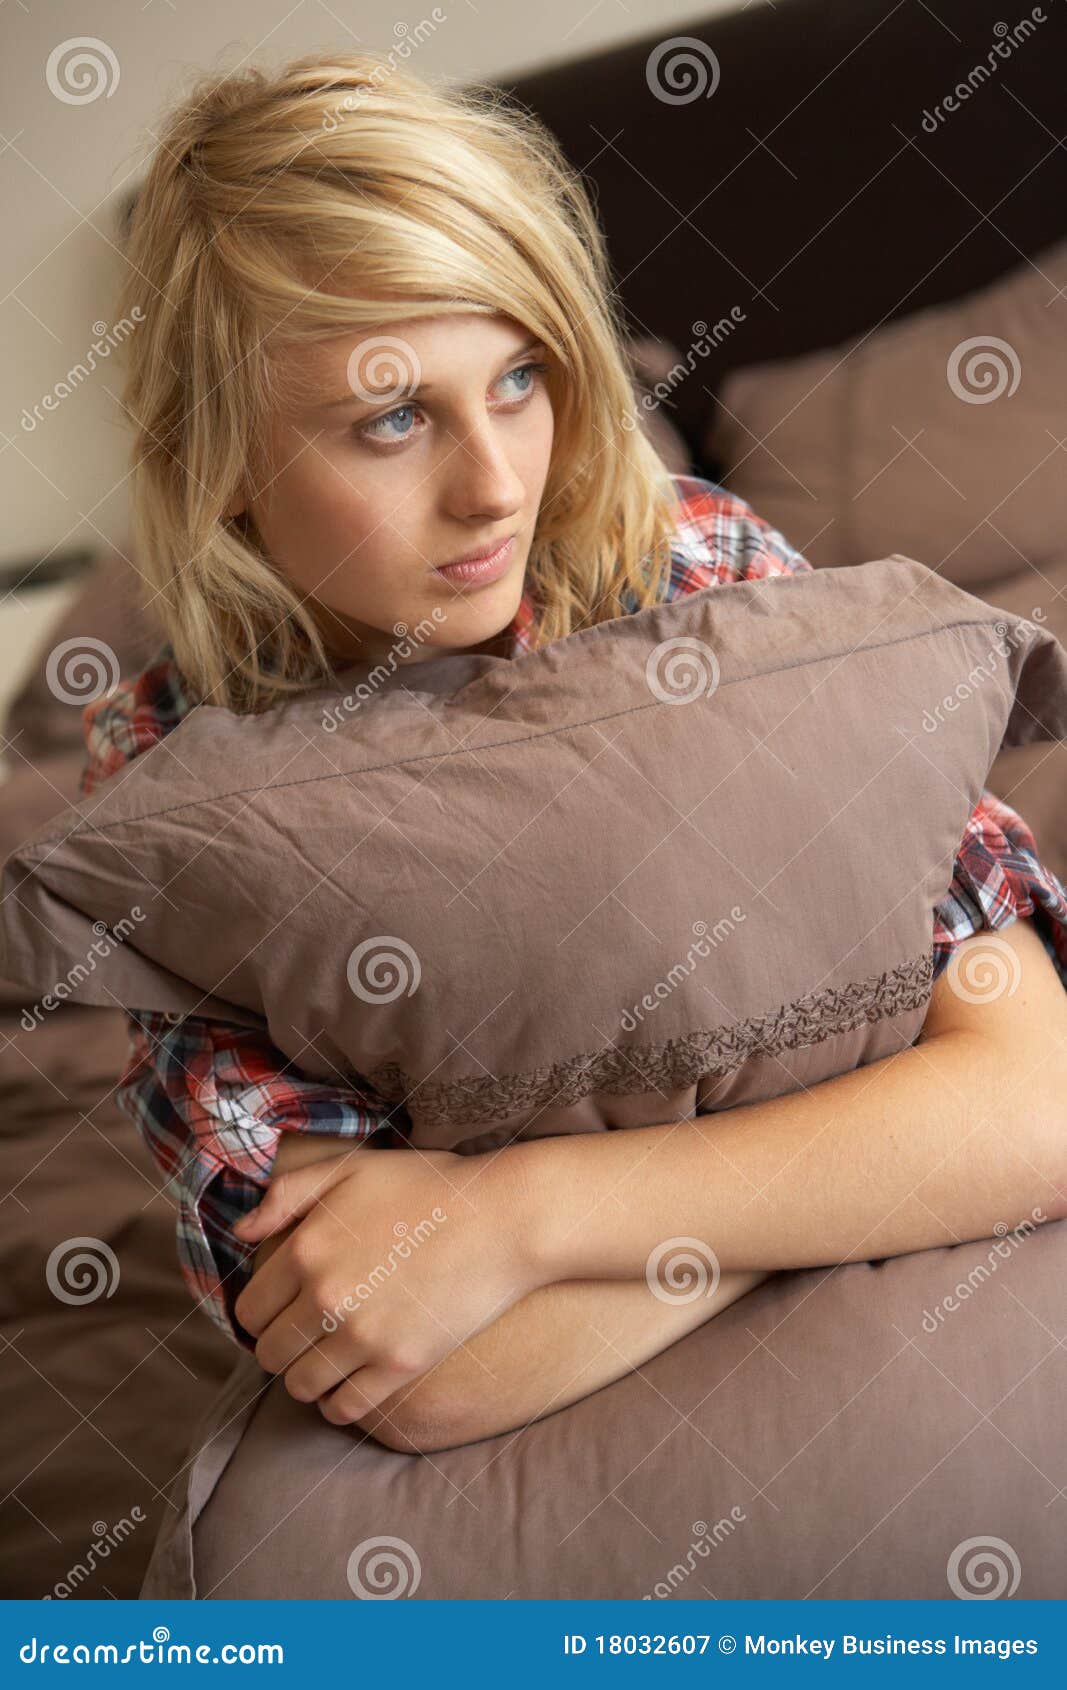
351, 398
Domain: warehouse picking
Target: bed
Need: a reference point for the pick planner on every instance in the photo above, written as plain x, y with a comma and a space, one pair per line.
135, 1423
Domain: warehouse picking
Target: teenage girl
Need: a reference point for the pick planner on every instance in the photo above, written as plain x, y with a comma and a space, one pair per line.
381, 409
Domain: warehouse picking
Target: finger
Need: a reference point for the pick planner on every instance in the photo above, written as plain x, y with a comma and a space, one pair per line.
361, 1393
273, 1286
289, 1197
324, 1366
286, 1340
298, 1330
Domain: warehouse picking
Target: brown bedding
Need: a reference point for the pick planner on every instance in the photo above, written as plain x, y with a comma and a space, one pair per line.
879, 1430
96, 1395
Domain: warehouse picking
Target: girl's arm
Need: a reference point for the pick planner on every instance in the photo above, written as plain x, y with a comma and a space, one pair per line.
554, 1346
560, 1343
927, 1147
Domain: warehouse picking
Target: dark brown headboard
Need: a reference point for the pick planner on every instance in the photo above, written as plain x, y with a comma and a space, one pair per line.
806, 191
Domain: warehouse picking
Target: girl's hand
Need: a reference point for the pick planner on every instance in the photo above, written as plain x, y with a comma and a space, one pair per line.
400, 1256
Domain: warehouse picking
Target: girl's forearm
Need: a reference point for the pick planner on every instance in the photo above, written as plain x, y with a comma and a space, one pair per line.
559, 1343
931, 1146
554, 1346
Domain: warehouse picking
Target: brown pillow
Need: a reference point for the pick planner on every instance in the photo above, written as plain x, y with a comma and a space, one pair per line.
679, 861
935, 435
879, 1430
30, 796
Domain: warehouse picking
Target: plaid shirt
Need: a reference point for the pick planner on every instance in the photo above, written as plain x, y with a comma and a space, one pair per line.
211, 1098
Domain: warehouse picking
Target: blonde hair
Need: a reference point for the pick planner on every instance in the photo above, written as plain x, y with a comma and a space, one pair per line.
283, 208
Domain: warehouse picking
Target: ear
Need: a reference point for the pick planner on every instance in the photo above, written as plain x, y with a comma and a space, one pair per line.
236, 506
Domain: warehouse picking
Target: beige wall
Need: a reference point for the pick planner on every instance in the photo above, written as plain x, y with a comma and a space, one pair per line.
63, 481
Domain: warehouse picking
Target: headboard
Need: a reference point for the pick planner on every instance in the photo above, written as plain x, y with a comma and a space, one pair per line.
806, 190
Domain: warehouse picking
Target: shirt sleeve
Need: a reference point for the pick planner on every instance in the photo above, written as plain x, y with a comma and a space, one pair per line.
721, 538
211, 1100
999, 878
132, 717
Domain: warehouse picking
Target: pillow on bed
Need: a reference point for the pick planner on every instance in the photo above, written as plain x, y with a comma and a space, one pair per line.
767, 1454
937, 434
682, 860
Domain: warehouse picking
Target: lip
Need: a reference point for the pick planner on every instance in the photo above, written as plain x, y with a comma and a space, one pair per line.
481, 567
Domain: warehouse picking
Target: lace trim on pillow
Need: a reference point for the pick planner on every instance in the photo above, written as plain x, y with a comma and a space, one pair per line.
707, 1052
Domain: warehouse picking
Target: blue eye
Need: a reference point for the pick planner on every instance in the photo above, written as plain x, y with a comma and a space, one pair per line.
523, 370
370, 430
532, 370
390, 416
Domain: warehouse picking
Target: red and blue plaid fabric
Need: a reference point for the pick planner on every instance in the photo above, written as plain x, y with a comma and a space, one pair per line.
211, 1098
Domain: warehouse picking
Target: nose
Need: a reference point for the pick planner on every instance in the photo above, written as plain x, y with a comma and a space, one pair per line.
480, 478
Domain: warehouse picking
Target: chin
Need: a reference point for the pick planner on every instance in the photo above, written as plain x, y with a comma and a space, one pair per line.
482, 616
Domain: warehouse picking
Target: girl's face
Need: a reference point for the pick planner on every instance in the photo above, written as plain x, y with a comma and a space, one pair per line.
422, 445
